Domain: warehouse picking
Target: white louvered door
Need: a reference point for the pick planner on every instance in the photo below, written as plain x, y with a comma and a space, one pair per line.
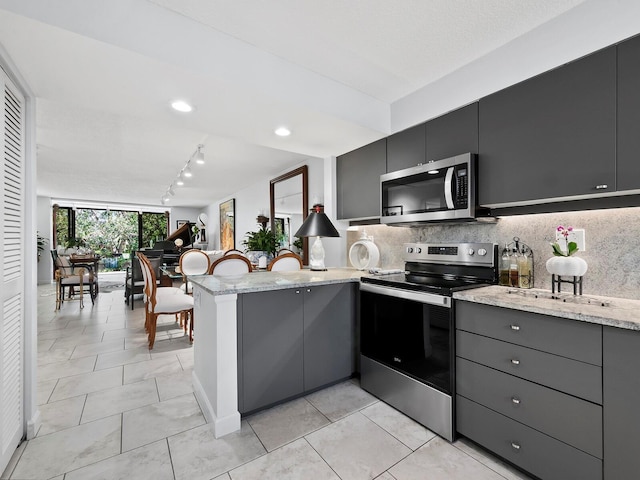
12, 267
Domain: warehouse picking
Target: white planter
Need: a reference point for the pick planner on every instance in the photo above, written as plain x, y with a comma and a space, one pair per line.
567, 266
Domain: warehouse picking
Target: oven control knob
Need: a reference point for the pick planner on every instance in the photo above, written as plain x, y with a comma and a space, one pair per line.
418, 250
409, 249
482, 252
471, 251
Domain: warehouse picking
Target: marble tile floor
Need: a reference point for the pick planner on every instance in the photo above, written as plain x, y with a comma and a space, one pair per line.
112, 409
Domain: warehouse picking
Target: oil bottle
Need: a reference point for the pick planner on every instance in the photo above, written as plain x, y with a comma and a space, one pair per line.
505, 265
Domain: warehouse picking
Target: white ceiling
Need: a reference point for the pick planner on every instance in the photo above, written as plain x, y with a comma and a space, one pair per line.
104, 74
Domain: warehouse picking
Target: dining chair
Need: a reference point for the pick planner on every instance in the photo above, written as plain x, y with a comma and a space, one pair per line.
193, 262
171, 301
70, 276
232, 264
287, 262
134, 281
233, 251
282, 251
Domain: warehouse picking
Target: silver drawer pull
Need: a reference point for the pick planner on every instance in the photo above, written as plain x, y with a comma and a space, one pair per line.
515, 400
297, 292
515, 361
602, 187
515, 327
515, 446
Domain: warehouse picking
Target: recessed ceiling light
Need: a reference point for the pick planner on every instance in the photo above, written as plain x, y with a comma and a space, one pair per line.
283, 132
179, 182
181, 106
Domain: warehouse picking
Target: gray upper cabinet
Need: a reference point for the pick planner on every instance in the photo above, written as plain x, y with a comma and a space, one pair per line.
406, 149
550, 136
453, 133
628, 147
358, 180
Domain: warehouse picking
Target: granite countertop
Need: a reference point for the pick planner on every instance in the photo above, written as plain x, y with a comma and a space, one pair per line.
263, 281
611, 311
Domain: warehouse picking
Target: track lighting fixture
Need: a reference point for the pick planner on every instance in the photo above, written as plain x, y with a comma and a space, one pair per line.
185, 173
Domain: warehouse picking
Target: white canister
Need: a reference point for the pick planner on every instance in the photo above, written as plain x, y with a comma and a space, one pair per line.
262, 261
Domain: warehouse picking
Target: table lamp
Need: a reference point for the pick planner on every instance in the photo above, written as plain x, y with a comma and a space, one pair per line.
317, 224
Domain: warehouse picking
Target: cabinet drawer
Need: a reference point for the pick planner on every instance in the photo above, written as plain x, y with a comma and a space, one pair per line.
569, 338
561, 416
531, 450
564, 374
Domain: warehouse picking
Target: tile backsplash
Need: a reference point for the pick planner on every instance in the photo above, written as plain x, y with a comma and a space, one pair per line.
612, 238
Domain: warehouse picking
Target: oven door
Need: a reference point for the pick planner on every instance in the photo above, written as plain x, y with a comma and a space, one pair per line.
410, 332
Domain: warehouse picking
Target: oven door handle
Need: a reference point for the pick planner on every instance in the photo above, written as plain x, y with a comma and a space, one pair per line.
422, 297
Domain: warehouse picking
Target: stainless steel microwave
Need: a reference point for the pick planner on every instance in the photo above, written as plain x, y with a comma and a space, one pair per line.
440, 190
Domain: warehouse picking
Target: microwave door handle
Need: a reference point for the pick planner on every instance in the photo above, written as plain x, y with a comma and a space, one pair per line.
448, 190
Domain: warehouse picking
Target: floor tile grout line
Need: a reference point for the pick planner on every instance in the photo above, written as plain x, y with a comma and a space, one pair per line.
173, 469
320, 455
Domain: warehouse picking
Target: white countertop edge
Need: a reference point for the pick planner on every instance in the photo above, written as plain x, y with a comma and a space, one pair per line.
268, 281
619, 312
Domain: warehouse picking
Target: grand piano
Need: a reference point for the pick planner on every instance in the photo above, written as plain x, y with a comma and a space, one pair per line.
171, 254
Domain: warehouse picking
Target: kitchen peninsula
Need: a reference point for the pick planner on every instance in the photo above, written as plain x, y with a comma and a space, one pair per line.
264, 337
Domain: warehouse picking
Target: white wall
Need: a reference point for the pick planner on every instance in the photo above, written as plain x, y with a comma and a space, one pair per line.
593, 25
44, 224
251, 200
183, 213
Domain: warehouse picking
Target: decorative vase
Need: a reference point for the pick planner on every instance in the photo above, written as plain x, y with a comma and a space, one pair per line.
567, 266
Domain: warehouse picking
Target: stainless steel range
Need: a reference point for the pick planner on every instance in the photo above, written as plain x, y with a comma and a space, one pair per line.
407, 328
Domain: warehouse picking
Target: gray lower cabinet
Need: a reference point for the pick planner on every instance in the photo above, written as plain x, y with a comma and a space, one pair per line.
561, 121
529, 388
272, 350
358, 180
293, 341
329, 332
621, 383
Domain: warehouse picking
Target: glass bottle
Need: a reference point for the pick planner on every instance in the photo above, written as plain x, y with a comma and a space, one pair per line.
524, 273
514, 276
505, 265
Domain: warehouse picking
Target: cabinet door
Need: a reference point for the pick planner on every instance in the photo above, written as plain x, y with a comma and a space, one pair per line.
406, 149
453, 133
358, 180
329, 324
551, 136
628, 159
271, 347
621, 384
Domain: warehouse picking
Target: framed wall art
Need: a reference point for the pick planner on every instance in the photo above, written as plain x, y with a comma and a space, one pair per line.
227, 224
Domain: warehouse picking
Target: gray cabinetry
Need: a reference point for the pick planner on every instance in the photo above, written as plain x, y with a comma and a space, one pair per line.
358, 180
272, 350
550, 136
621, 383
406, 149
529, 388
329, 313
293, 341
628, 147
453, 133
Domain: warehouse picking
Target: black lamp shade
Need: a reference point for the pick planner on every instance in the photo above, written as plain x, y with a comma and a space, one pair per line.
317, 224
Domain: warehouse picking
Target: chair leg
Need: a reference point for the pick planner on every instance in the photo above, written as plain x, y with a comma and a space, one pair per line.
191, 326
152, 329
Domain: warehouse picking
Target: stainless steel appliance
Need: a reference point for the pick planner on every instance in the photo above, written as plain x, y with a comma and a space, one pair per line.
407, 328
435, 191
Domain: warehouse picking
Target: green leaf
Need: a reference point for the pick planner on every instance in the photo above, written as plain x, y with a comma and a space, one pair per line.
573, 248
557, 251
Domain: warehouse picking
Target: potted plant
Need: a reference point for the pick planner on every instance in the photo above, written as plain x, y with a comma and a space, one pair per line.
563, 263
41, 243
261, 242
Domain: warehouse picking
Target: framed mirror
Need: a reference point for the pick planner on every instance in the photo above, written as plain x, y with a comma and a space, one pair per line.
289, 207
